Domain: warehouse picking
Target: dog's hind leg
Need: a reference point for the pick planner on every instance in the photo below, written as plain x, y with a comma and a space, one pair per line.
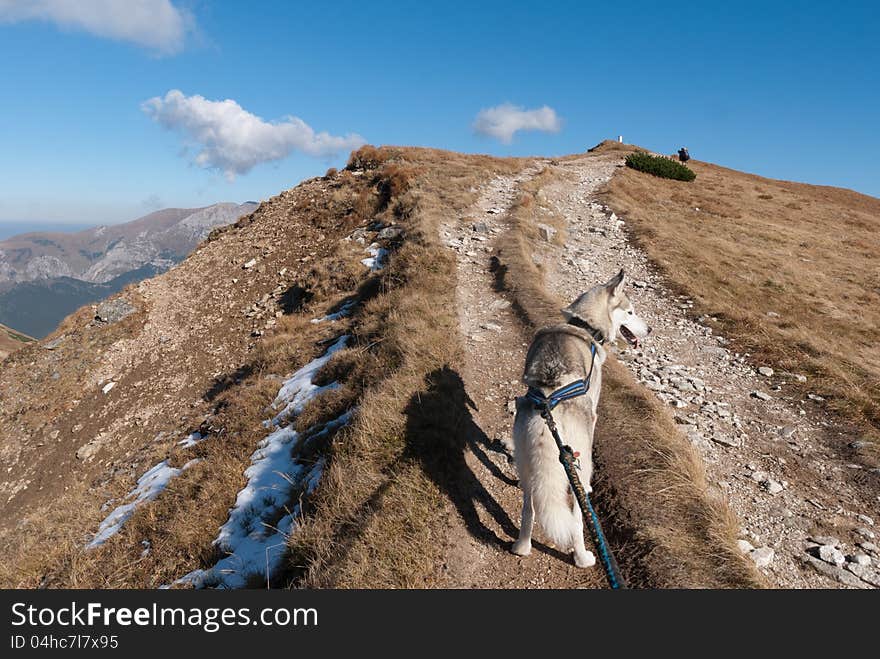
523, 545
582, 556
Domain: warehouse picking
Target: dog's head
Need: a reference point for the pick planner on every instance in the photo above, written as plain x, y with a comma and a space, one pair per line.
607, 308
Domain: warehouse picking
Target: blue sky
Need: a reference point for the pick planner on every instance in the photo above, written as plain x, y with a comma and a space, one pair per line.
789, 91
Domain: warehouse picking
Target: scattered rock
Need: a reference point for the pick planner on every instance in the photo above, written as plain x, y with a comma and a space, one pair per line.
869, 547
834, 572
54, 343
816, 398
865, 519
249, 264
107, 387
760, 395
824, 540
766, 371
546, 232
787, 432
112, 311
390, 233
762, 556
724, 440
865, 573
861, 559
481, 227
772, 486
866, 533
831, 554
744, 546
87, 451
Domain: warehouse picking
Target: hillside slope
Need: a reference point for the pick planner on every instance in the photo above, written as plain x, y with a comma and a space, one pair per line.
11, 340
319, 396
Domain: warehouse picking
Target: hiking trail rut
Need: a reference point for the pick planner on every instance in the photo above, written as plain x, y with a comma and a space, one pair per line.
496, 343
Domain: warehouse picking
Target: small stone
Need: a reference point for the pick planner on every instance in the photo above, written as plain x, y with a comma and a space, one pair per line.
772, 486
744, 546
640, 284
787, 432
87, 451
107, 387
869, 547
511, 406
481, 227
546, 232
54, 343
815, 397
831, 554
800, 378
865, 573
834, 572
866, 533
766, 371
249, 264
390, 233
759, 476
824, 540
112, 311
724, 440
861, 559
865, 519
762, 556
760, 395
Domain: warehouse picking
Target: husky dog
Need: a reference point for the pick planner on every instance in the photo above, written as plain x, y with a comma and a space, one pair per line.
558, 356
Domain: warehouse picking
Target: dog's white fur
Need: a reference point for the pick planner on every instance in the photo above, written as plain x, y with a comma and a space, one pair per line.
558, 356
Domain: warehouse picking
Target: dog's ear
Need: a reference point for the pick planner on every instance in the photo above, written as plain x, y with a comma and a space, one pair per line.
616, 284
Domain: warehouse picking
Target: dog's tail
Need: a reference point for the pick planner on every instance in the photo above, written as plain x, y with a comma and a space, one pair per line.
537, 461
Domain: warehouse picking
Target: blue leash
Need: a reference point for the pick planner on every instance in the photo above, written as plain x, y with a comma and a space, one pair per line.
569, 462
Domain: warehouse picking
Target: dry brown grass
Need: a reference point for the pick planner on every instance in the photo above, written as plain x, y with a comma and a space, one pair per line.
668, 528
756, 245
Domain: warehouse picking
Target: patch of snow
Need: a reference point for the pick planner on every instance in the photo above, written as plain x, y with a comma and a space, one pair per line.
148, 487
376, 261
299, 389
191, 440
344, 311
254, 537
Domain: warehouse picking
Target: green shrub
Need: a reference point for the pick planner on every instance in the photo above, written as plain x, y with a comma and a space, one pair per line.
659, 166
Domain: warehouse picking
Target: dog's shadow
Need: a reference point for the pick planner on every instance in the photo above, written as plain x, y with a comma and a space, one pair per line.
439, 429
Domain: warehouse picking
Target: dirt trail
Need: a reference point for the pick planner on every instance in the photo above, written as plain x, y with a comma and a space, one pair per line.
496, 343
768, 453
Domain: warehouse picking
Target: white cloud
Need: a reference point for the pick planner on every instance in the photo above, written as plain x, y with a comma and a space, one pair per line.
503, 121
232, 140
154, 24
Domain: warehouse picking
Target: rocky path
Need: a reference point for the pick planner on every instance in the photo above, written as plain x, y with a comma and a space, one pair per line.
806, 520
495, 341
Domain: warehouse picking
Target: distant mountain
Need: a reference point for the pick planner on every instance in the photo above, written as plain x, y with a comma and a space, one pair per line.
10, 340
46, 275
103, 253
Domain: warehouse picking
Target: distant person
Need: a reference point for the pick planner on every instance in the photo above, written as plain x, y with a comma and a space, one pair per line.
683, 154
